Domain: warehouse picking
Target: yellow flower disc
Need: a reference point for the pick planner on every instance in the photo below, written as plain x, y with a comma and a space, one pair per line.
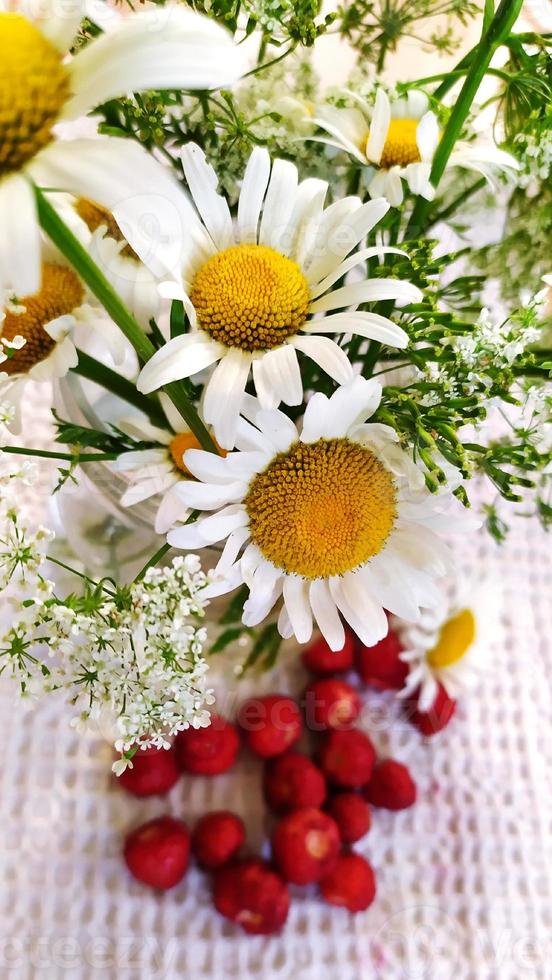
455, 639
401, 147
34, 85
178, 446
322, 509
250, 297
61, 293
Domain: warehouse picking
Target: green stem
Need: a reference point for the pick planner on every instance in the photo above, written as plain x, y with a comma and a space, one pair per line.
153, 561
74, 571
93, 370
71, 248
67, 457
500, 26
458, 201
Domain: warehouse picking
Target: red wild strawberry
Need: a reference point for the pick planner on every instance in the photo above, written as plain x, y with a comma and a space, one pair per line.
352, 816
208, 751
271, 724
305, 845
330, 703
319, 659
350, 884
252, 895
380, 665
391, 786
154, 772
216, 839
292, 781
433, 721
347, 758
157, 853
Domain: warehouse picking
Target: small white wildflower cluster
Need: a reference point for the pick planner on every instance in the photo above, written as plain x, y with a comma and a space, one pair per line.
535, 154
129, 659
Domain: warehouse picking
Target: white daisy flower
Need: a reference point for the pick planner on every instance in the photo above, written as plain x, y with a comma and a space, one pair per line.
450, 645
335, 518
37, 335
254, 292
97, 230
40, 87
158, 470
398, 139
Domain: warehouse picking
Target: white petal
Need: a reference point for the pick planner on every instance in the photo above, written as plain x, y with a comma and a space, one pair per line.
370, 325
279, 430
328, 355
209, 530
427, 136
169, 512
308, 201
285, 628
345, 236
267, 394
347, 126
418, 103
224, 393
391, 587
168, 48
231, 550
296, 599
265, 590
279, 204
379, 126
203, 183
326, 615
350, 405
350, 263
20, 263
210, 496
370, 291
315, 418
364, 615
141, 459
417, 177
282, 377
252, 194
308, 223
179, 358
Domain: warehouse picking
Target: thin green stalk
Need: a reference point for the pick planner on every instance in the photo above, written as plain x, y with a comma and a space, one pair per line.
458, 201
93, 370
71, 248
499, 28
163, 550
74, 571
66, 457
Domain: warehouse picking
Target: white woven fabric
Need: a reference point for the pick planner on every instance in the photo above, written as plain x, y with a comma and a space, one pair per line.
464, 878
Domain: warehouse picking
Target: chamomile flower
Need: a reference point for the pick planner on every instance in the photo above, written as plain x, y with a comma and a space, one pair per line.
254, 292
40, 87
450, 645
334, 518
37, 341
97, 230
158, 470
397, 139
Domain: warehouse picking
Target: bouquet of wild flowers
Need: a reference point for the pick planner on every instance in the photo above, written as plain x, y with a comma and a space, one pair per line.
279, 287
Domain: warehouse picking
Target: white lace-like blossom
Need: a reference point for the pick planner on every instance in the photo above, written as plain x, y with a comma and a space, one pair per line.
129, 661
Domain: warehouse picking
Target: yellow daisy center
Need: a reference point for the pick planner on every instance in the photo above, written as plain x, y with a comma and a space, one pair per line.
183, 441
401, 147
61, 293
250, 297
322, 509
34, 85
94, 216
455, 639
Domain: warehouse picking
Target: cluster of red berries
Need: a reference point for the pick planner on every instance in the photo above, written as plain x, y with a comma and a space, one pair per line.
322, 804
